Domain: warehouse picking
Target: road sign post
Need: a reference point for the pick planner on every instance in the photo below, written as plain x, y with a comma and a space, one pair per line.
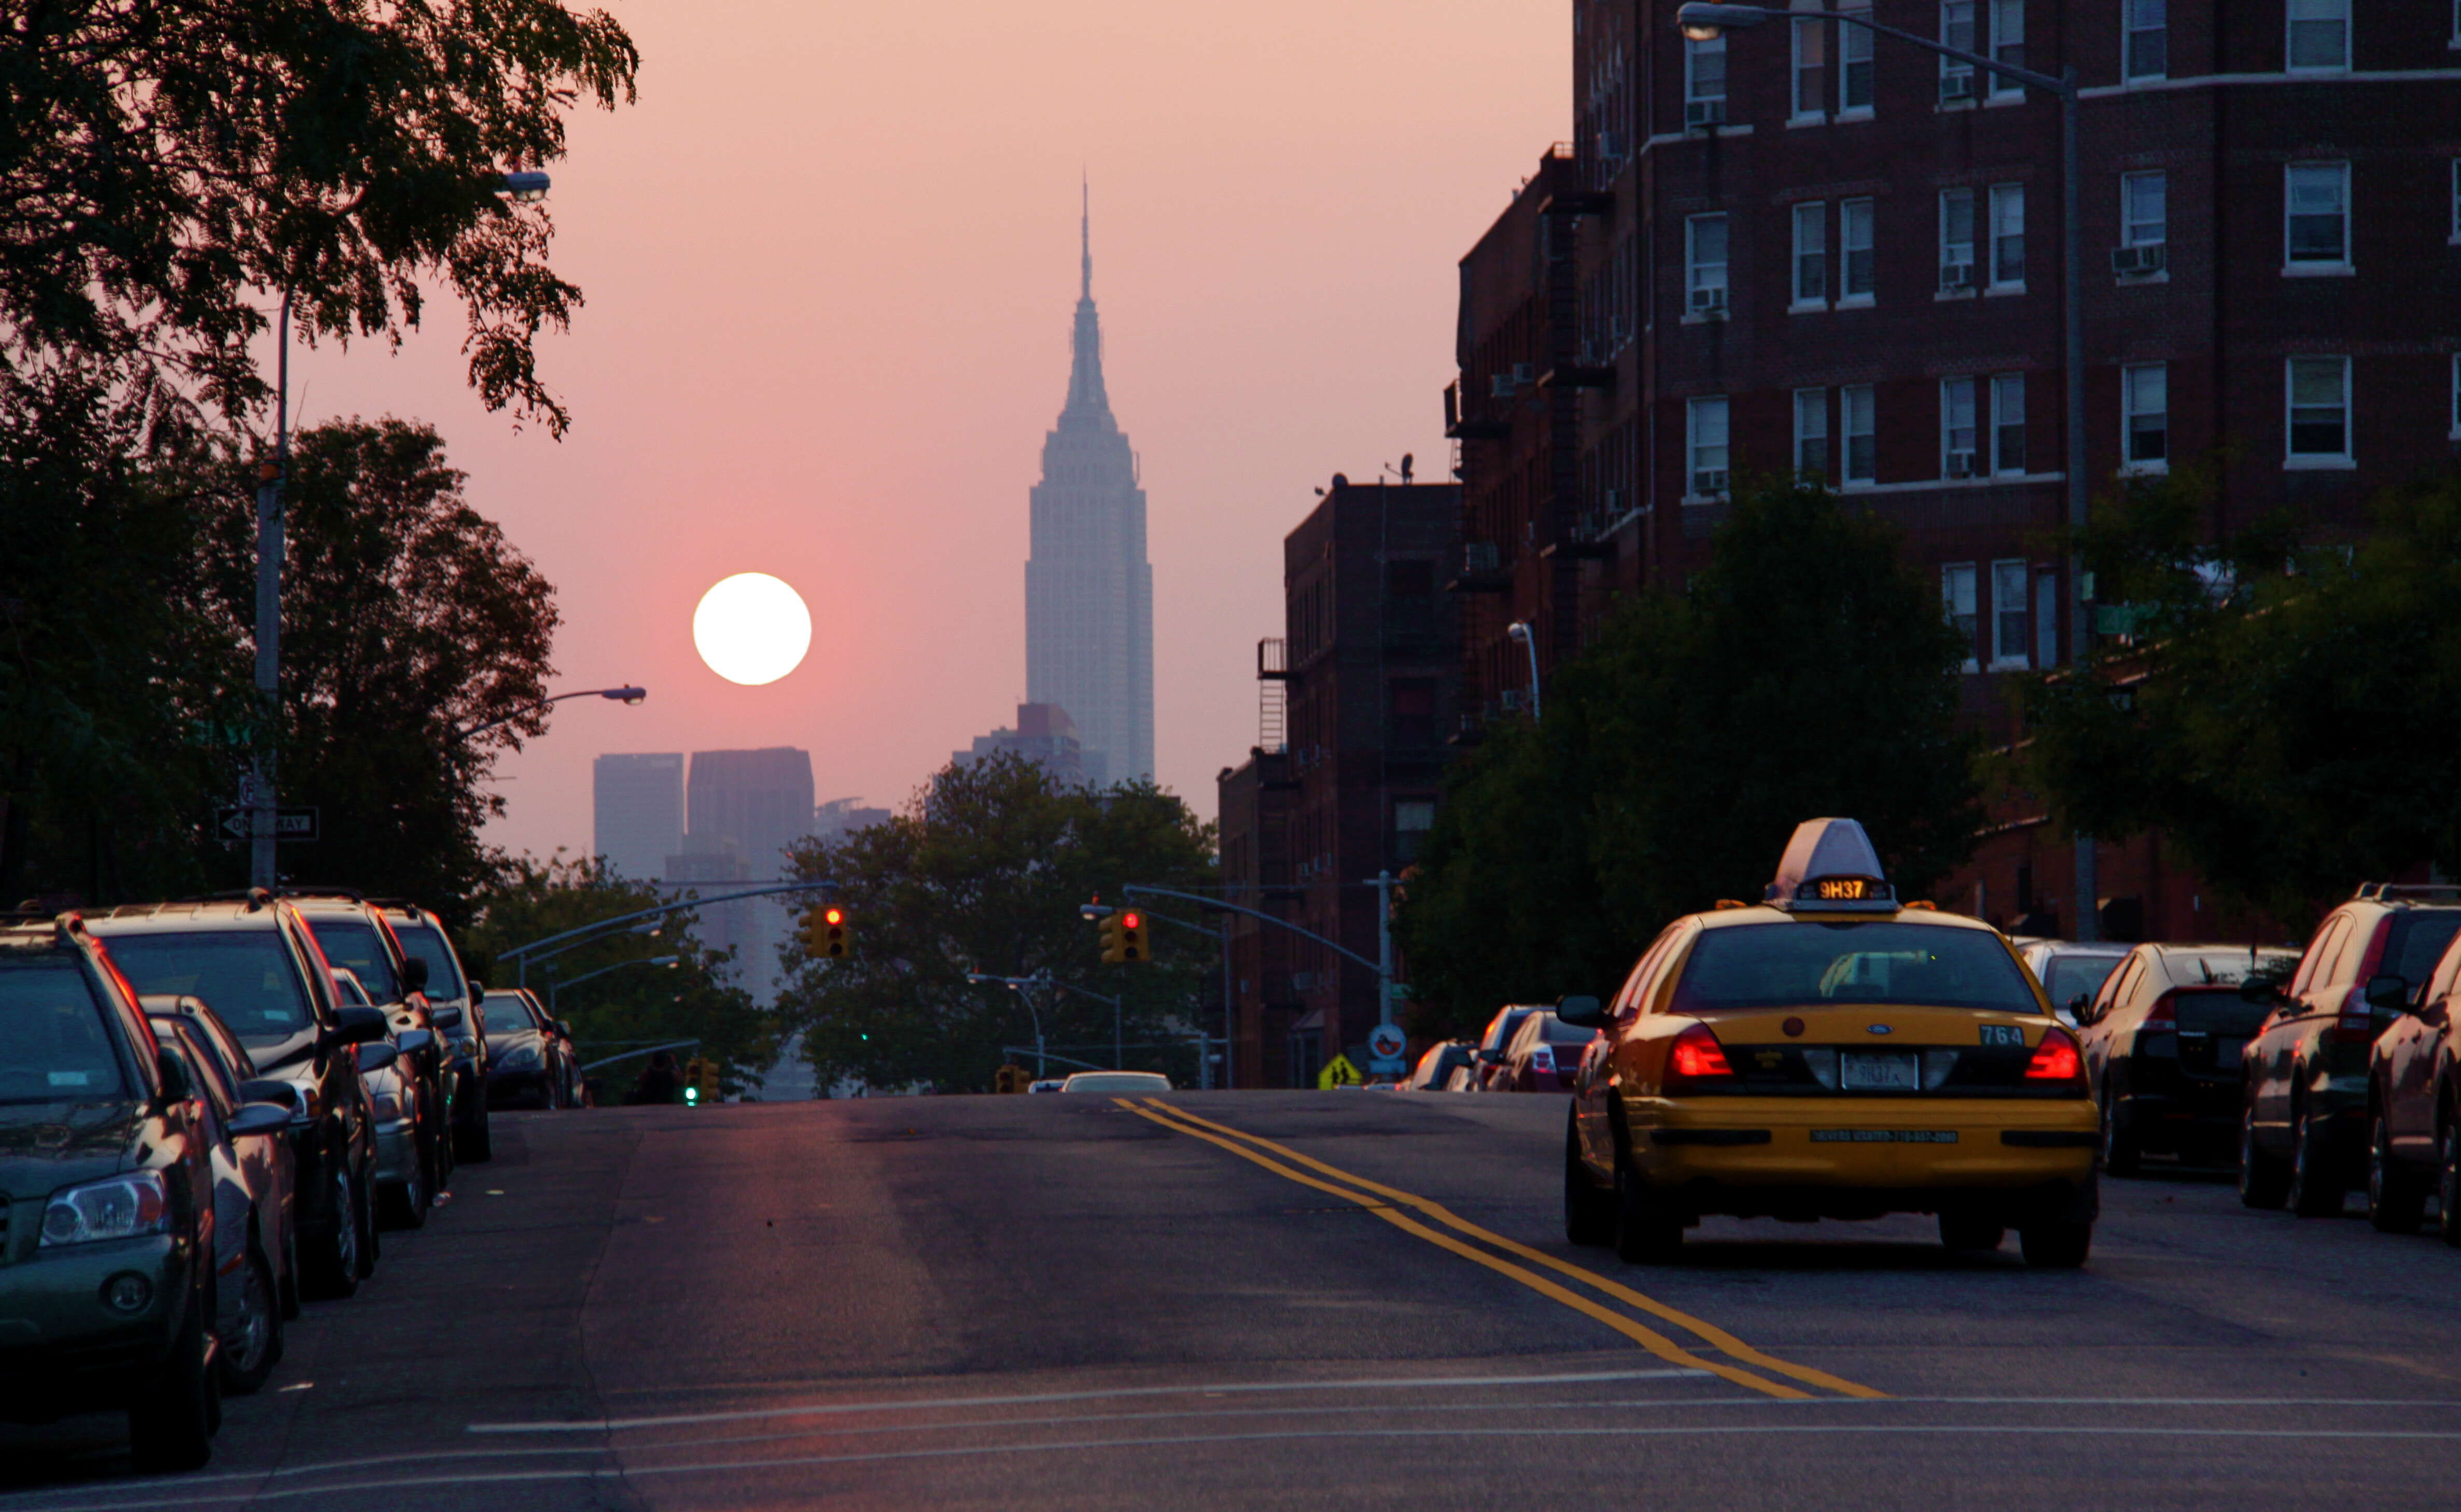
1385, 1045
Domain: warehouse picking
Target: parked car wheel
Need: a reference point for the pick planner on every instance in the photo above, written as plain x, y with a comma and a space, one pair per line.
1646, 1233
253, 1347
334, 1269
2447, 1185
404, 1204
2262, 1182
2317, 1188
2122, 1153
1589, 1210
2396, 1198
1968, 1235
171, 1425
2061, 1245
475, 1145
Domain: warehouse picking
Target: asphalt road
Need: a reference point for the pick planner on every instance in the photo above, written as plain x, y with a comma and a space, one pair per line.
1044, 1302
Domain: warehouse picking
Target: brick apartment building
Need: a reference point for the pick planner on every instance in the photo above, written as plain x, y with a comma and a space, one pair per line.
1801, 248
1357, 696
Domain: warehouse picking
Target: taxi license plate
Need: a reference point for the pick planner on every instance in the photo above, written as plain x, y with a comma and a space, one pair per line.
1865, 1072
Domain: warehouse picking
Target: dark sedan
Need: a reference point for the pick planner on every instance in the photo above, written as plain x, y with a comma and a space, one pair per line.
2164, 1036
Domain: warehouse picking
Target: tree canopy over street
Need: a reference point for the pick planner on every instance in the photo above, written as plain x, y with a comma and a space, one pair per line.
984, 871
1807, 673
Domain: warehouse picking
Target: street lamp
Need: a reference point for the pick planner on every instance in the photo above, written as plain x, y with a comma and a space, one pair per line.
651, 960
626, 695
1519, 630
1018, 986
1704, 22
527, 186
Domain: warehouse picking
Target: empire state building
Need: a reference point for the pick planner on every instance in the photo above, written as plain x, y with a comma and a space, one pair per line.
1088, 589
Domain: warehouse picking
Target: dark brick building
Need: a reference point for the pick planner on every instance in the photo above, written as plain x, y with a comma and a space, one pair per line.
1800, 248
1357, 694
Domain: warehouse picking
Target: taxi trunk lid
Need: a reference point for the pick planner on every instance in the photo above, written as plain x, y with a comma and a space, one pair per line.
1897, 1051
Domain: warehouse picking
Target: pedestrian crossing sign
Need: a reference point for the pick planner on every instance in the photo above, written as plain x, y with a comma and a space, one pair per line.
1340, 1073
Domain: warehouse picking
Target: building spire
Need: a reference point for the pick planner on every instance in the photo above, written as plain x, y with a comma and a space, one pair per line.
1086, 400
1086, 235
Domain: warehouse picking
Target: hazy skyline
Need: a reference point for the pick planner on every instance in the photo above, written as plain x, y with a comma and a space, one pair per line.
830, 259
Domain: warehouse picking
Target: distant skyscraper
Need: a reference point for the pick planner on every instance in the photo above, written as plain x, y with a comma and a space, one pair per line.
747, 807
1088, 589
1044, 735
639, 804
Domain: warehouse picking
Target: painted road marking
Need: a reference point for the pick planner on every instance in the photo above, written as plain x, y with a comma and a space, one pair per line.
1714, 1336
1648, 1338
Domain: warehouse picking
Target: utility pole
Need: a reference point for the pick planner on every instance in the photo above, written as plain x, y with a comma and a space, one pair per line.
1384, 944
270, 476
1229, 1007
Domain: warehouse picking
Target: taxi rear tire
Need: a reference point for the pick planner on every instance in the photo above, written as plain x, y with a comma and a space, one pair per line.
2060, 1245
1969, 1235
2262, 1182
1646, 1233
1589, 1209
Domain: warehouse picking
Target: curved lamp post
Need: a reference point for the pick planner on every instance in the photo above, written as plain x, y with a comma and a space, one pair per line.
626, 695
1519, 630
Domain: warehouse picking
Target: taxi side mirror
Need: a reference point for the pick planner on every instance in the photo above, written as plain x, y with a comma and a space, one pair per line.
1580, 1011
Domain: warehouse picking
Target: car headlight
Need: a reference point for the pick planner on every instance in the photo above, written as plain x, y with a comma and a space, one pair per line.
520, 1058
119, 1207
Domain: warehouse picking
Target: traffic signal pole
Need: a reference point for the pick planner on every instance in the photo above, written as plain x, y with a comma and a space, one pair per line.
1382, 966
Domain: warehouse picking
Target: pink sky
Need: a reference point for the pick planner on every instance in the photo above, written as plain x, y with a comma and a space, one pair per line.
829, 259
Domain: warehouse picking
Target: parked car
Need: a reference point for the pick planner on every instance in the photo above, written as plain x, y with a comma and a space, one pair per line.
254, 963
107, 1298
1498, 1036
405, 1169
2414, 1097
530, 1060
1446, 1067
356, 937
2071, 971
2163, 1038
452, 1000
253, 1247
2303, 1121
1544, 1056
1119, 1083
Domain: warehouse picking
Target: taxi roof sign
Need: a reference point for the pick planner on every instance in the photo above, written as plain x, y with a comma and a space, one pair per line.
1831, 865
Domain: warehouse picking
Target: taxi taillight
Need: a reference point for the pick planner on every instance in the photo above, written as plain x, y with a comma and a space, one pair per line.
1698, 1056
2055, 1058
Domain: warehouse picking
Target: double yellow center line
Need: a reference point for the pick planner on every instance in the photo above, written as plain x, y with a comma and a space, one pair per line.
1524, 1265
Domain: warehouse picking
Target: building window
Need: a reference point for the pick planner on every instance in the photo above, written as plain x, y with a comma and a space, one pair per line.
2316, 202
2007, 614
1854, 82
1704, 263
2144, 209
2319, 408
1811, 431
2008, 236
2145, 401
2148, 38
2456, 396
2046, 619
1862, 434
1956, 428
1811, 255
1956, 599
1705, 434
1957, 30
1704, 72
2007, 43
1811, 70
1414, 714
1412, 819
1854, 240
1956, 239
2320, 34
2008, 424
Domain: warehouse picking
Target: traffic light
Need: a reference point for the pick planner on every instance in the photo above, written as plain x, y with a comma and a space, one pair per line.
692, 1081
709, 1089
1132, 936
826, 936
1114, 945
1011, 1078
700, 1082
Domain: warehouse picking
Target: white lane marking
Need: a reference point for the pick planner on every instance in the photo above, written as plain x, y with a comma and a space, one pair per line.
1405, 1383
1182, 1440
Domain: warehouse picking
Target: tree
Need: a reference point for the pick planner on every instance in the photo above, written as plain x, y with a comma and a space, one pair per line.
407, 619
2281, 709
162, 162
531, 900
1808, 672
984, 871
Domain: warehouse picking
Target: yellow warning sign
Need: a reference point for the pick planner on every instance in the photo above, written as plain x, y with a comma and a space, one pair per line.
1339, 1074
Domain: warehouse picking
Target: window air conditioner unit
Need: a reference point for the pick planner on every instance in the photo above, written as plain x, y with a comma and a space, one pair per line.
1478, 556
1960, 464
1699, 112
2139, 261
1612, 146
1708, 301
1499, 385
1709, 482
1954, 276
1955, 87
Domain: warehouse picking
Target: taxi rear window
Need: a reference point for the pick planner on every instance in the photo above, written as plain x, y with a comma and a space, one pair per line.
1799, 962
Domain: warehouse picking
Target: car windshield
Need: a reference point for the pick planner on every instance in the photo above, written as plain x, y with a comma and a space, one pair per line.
1117, 1081
2226, 968
2417, 942
58, 1046
424, 943
245, 976
354, 944
1794, 964
505, 1015
2070, 977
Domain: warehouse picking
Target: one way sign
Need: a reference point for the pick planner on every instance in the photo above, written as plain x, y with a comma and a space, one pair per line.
288, 823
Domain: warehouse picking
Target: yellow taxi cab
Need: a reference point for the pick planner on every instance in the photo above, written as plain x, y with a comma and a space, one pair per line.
1831, 1053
